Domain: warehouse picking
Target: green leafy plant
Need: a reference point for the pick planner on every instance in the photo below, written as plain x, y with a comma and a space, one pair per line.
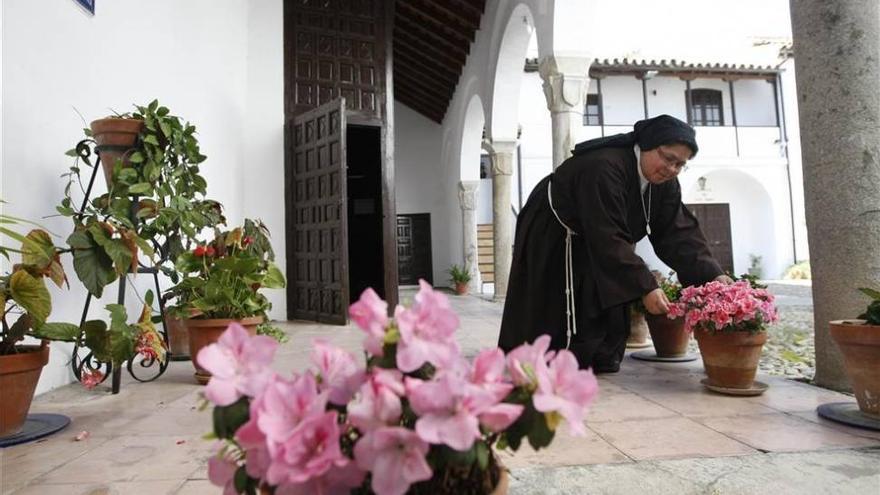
872, 314
755, 268
223, 278
117, 342
670, 286
459, 274
155, 206
752, 280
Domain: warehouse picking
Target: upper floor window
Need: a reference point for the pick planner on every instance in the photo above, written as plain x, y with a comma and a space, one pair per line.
592, 113
706, 107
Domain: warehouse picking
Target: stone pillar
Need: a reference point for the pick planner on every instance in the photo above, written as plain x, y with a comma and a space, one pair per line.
566, 80
837, 45
502, 216
467, 192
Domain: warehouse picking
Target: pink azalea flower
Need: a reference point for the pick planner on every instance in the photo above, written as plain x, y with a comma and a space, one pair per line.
378, 401
448, 410
498, 417
336, 481
285, 404
339, 371
396, 457
91, 379
310, 451
370, 313
238, 363
221, 472
426, 331
565, 389
523, 361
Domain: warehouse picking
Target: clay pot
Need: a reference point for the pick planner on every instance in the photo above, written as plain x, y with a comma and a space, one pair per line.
860, 345
203, 332
19, 374
731, 358
119, 135
669, 336
178, 337
461, 288
638, 330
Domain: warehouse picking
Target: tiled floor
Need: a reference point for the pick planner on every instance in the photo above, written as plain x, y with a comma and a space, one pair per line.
147, 439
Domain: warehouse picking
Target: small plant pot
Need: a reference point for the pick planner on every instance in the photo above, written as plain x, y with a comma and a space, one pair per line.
669, 336
461, 288
731, 358
203, 332
860, 345
19, 374
638, 331
115, 138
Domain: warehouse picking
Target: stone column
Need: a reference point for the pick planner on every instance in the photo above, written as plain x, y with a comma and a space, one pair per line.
467, 191
502, 216
837, 45
566, 80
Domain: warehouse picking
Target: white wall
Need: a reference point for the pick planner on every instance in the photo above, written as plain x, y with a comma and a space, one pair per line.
418, 180
59, 62
749, 90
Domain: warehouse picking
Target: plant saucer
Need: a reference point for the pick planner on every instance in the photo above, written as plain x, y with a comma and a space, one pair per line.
651, 355
638, 345
757, 388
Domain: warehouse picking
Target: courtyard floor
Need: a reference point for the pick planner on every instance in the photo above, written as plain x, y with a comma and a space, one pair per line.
653, 429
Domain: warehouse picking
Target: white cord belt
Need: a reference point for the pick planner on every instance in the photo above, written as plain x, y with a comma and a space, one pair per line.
570, 316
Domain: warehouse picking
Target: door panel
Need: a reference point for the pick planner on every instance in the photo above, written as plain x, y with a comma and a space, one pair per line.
715, 224
414, 248
317, 235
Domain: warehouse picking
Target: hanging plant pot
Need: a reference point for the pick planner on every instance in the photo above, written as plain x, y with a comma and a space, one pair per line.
731, 358
669, 336
203, 332
115, 138
860, 345
19, 374
638, 331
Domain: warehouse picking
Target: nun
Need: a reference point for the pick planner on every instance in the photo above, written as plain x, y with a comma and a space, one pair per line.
574, 270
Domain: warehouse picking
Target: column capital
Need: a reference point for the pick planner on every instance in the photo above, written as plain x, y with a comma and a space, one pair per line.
502, 157
566, 80
467, 194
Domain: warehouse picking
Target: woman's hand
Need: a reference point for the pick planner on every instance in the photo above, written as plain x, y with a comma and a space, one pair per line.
724, 279
656, 302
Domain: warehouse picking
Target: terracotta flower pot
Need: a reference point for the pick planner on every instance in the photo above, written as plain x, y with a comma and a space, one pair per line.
461, 288
178, 336
860, 345
669, 336
731, 358
203, 332
638, 330
19, 374
118, 136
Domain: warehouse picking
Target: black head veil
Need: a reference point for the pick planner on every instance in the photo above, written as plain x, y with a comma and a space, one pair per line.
649, 134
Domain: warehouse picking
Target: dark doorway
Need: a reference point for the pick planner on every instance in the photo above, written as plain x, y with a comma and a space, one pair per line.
715, 223
365, 251
414, 248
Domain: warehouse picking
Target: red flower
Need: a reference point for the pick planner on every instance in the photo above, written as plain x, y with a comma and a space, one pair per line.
209, 251
247, 241
199, 251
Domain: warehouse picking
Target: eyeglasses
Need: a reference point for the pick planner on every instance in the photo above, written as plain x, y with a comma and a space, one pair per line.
672, 161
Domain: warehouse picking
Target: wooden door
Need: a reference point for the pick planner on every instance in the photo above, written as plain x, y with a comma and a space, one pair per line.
414, 248
317, 229
715, 223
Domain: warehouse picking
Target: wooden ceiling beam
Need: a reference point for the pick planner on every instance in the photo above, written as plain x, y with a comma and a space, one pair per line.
417, 28
404, 57
465, 10
429, 98
439, 93
417, 104
442, 20
426, 50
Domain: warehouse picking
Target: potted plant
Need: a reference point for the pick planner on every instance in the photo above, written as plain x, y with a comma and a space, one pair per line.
859, 342
729, 322
221, 283
460, 277
667, 333
416, 418
638, 326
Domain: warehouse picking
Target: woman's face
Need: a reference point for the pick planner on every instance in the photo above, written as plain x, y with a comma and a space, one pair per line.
664, 162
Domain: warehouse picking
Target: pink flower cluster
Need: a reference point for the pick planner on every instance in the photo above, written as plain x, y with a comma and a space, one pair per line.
323, 430
719, 307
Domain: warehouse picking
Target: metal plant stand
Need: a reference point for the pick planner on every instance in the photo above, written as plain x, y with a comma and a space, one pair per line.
143, 369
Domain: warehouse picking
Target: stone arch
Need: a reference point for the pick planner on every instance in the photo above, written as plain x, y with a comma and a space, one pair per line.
471, 139
508, 74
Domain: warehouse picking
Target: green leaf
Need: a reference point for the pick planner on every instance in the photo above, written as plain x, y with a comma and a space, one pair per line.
66, 332
151, 139
121, 334
136, 157
482, 455
228, 419
140, 188
873, 294
116, 249
19, 329
165, 128
92, 265
30, 293
274, 278
161, 111
97, 339
38, 249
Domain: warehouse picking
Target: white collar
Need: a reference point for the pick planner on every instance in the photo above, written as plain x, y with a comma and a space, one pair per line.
643, 182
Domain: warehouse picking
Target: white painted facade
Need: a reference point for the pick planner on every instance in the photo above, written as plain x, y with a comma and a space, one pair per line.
220, 66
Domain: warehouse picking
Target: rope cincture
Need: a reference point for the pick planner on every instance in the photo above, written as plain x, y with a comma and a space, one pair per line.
570, 313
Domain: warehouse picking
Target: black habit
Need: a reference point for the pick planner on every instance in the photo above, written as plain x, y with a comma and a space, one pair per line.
596, 193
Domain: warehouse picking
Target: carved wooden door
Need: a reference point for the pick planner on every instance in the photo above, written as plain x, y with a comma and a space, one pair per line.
317, 249
715, 222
